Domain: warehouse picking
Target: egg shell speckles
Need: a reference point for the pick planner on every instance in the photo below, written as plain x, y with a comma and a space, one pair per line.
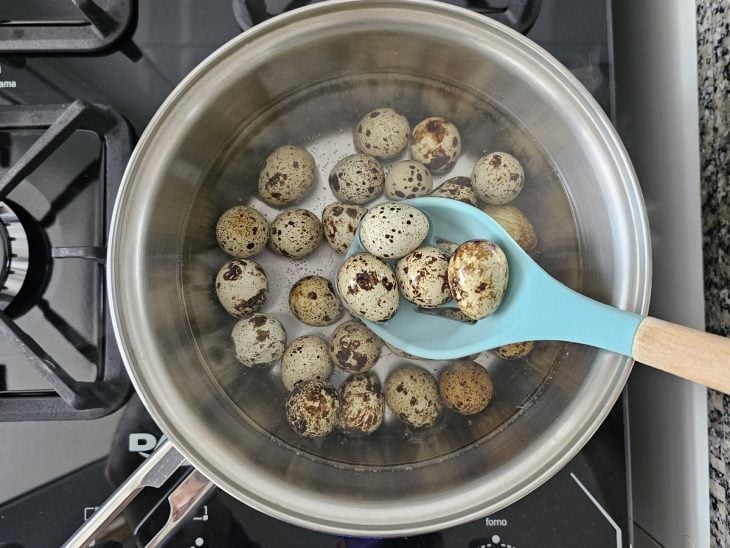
362, 404
382, 133
514, 351
497, 178
259, 340
241, 287
465, 387
339, 221
436, 143
407, 179
305, 359
357, 179
295, 233
313, 301
392, 231
368, 287
423, 277
354, 347
515, 223
478, 277
412, 394
313, 408
287, 175
456, 188
242, 231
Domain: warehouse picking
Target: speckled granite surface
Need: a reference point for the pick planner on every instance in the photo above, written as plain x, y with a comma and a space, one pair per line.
713, 36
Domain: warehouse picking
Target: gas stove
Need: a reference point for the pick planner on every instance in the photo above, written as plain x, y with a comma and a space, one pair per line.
79, 80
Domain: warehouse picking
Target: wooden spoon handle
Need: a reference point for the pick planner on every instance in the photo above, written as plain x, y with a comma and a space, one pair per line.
694, 355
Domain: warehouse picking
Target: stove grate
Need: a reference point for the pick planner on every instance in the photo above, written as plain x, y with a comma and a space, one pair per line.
96, 25
519, 15
69, 399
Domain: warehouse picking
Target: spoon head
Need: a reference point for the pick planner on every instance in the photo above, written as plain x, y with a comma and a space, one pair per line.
441, 338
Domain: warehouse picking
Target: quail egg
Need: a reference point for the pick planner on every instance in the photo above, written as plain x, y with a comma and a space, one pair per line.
314, 301
514, 351
312, 408
497, 178
436, 143
456, 188
392, 231
412, 394
465, 387
382, 133
340, 222
362, 404
368, 287
478, 276
295, 233
354, 347
407, 179
515, 223
357, 179
287, 175
305, 359
423, 277
242, 231
259, 340
241, 287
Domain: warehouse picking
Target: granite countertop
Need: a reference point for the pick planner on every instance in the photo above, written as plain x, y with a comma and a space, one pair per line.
713, 41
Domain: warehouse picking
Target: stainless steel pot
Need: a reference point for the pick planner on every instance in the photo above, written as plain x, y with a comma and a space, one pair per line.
302, 78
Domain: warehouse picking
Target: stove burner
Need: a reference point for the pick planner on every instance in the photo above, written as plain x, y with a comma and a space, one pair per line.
14, 255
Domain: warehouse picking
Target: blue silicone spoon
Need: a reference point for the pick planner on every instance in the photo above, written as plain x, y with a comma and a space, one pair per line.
538, 307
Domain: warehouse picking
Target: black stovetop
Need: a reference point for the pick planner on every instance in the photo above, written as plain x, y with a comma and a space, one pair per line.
55, 66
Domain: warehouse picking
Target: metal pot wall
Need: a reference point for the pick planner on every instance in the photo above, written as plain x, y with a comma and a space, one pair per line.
301, 78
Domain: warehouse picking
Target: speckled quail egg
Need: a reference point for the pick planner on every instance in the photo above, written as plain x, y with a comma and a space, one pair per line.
407, 179
368, 287
382, 133
287, 175
362, 404
436, 143
242, 231
241, 287
392, 231
354, 347
478, 277
357, 179
259, 340
412, 394
313, 301
497, 178
339, 222
423, 277
515, 223
456, 188
295, 233
465, 387
514, 351
305, 359
312, 408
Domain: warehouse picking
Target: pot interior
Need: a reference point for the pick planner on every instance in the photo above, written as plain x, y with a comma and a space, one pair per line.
307, 82
322, 117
